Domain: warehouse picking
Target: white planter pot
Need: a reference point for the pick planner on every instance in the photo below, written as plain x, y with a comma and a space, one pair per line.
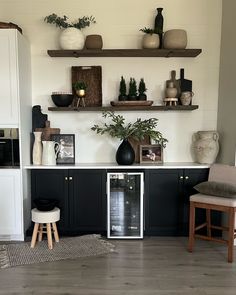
72, 38
151, 41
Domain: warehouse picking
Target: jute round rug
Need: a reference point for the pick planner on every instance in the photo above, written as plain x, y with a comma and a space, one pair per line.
68, 248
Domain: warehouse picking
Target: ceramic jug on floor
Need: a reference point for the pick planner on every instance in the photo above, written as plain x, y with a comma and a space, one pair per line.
50, 151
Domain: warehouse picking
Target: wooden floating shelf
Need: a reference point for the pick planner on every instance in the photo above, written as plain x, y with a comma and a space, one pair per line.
124, 108
125, 53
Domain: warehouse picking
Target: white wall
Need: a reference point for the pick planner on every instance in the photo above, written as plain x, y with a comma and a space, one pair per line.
119, 23
227, 101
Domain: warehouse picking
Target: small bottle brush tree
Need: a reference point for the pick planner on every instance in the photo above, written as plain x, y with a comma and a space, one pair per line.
122, 89
142, 89
132, 89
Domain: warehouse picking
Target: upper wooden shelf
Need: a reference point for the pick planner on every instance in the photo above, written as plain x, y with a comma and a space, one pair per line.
125, 53
124, 108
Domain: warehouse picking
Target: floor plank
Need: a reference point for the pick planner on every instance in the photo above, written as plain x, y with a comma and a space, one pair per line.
155, 265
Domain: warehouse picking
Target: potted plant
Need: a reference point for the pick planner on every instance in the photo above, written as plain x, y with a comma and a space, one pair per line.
71, 37
122, 89
151, 38
142, 89
132, 89
138, 130
80, 90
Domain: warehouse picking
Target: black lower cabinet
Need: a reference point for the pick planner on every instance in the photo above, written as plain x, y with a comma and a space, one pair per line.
81, 195
52, 184
167, 193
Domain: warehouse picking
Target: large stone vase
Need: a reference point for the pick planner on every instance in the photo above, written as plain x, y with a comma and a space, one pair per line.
205, 146
125, 153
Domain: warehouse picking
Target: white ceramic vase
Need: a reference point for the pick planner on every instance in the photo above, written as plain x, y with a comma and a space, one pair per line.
72, 38
37, 148
151, 41
206, 146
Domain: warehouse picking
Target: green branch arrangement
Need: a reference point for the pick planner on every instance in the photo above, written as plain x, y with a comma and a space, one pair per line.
137, 130
62, 22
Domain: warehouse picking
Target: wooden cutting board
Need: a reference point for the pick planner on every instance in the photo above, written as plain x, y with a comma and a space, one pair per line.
175, 82
185, 85
48, 131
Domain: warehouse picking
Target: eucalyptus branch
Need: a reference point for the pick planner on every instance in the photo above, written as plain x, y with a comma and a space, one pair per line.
137, 130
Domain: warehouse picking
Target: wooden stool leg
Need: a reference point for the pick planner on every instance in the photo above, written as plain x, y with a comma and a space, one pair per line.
49, 236
208, 219
56, 236
34, 236
231, 235
40, 236
191, 227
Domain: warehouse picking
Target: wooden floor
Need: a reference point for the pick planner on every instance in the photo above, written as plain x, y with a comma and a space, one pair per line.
151, 266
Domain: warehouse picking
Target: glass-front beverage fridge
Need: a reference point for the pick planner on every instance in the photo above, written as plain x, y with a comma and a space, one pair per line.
125, 205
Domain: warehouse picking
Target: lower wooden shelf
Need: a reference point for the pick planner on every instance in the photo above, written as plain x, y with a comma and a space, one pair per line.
124, 108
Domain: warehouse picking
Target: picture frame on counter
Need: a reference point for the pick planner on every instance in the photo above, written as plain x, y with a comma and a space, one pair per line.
152, 153
66, 154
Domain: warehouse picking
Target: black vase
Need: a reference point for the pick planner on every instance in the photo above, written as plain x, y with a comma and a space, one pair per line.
159, 21
125, 154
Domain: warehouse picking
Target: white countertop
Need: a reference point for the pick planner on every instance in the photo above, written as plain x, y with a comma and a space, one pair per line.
170, 165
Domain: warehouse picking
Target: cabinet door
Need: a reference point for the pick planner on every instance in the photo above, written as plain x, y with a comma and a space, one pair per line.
52, 184
8, 78
10, 205
162, 201
190, 178
87, 189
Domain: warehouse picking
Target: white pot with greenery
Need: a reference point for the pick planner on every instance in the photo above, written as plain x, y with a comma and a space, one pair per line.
71, 36
151, 38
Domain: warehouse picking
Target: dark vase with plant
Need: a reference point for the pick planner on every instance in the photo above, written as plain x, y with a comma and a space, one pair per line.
138, 130
122, 96
80, 90
132, 89
142, 89
71, 37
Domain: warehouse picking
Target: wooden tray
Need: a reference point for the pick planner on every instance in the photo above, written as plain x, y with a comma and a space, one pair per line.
92, 76
132, 103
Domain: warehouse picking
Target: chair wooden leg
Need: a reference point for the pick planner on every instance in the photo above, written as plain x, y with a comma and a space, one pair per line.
191, 227
40, 236
49, 236
34, 236
208, 219
231, 235
56, 236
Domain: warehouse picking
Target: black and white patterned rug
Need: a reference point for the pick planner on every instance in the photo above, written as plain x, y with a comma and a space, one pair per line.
67, 248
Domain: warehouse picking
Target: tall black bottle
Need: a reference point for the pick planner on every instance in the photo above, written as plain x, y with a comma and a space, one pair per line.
159, 21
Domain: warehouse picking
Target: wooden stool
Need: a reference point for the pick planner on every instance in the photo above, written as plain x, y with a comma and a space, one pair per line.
218, 173
45, 217
169, 101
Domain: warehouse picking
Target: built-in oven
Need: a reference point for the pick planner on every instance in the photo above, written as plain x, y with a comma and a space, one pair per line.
9, 147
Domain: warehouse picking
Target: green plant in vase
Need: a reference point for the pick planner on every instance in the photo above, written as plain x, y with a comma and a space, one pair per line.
132, 89
142, 89
71, 37
138, 130
122, 89
80, 90
151, 38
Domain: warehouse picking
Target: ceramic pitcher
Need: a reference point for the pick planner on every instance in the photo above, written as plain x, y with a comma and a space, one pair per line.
50, 151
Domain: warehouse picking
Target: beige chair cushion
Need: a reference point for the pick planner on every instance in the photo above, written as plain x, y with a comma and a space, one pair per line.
208, 199
223, 173
45, 216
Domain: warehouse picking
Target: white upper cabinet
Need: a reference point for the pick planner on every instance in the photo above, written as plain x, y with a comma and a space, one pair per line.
12, 51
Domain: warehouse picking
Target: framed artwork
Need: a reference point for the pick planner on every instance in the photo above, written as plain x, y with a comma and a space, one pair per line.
152, 153
66, 154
